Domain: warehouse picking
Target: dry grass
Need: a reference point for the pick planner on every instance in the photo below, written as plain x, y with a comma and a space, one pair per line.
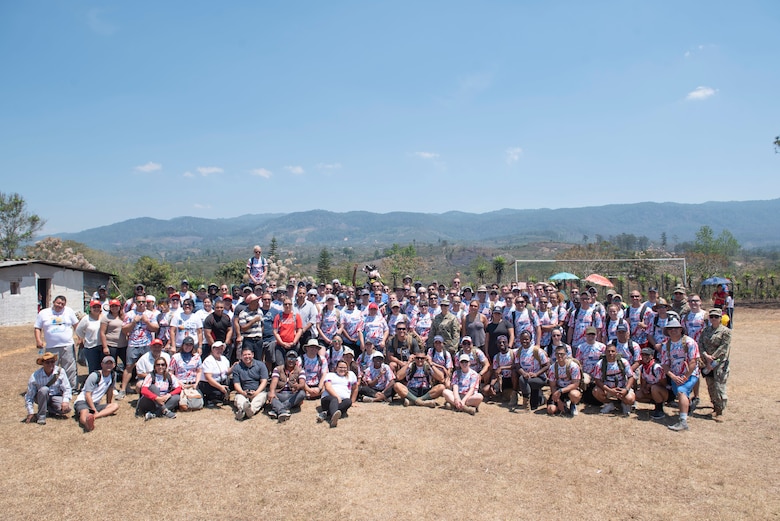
385, 462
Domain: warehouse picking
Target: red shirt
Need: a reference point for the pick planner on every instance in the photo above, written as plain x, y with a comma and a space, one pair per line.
287, 325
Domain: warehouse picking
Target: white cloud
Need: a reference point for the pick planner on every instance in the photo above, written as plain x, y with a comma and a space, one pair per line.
188, 174
297, 170
149, 167
201, 206
329, 166
687, 54
261, 172
513, 155
208, 170
98, 25
427, 155
701, 93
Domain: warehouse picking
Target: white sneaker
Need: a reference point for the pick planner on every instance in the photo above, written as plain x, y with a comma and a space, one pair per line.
607, 408
681, 425
239, 414
573, 410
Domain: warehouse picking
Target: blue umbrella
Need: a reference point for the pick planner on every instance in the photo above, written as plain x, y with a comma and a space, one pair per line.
564, 275
715, 281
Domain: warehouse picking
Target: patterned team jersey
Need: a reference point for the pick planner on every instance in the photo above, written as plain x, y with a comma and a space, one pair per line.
465, 381
525, 320
580, 320
314, 369
560, 311
547, 318
589, 355
384, 373
676, 355
140, 336
333, 357
610, 329
417, 377
186, 370
527, 360
504, 360
615, 376
629, 351
441, 358
476, 358
422, 324
656, 328
352, 322
635, 317
693, 324
651, 373
329, 322
564, 375
374, 329
392, 320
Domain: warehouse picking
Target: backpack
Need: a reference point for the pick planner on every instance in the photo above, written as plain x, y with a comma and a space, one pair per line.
603, 362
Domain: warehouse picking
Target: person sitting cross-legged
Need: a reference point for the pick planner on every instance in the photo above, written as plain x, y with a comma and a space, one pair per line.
424, 381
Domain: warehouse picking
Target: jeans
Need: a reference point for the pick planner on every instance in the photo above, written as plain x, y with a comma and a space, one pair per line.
286, 400
256, 344
94, 356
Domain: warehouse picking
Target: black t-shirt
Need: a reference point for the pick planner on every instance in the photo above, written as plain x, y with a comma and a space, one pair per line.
495, 331
218, 326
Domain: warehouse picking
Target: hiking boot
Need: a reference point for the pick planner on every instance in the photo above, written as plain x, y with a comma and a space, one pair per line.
368, 399
658, 415
693, 405
321, 416
407, 403
681, 425
90, 422
284, 416
272, 413
626, 409
334, 420
471, 410
149, 416
513, 402
607, 408
169, 414
428, 403
248, 412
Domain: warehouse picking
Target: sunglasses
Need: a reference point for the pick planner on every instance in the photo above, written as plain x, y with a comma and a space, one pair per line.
159, 365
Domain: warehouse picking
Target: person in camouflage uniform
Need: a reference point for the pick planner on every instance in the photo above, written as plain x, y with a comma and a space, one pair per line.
680, 300
714, 347
447, 326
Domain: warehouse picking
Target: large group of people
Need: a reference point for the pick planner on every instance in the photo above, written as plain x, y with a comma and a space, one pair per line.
271, 346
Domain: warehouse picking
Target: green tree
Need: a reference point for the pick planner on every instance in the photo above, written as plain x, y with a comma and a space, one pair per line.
17, 225
727, 244
152, 274
705, 241
400, 261
323, 266
499, 265
273, 249
232, 272
663, 240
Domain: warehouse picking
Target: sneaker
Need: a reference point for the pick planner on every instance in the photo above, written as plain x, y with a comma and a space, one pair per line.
119, 395
573, 410
626, 409
334, 420
694, 404
239, 414
149, 416
272, 413
471, 410
248, 412
658, 415
448, 406
284, 416
169, 414
681, 425
90, 422
41, 420
429, 403
321, 416
407, 403
607, 408
368, 399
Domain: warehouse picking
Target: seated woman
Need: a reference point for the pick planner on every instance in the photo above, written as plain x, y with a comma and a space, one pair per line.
217, 372
340, 392
159, 392
187, 367
464, 394
441, 358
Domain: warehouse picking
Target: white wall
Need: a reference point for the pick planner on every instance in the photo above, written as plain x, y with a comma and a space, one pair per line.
23, 308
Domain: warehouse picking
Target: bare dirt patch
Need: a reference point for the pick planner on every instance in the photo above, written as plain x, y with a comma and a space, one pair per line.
387, 462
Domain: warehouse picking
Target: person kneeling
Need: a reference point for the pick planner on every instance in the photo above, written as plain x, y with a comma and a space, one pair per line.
424, 381
97, 385
614, 382
652, 387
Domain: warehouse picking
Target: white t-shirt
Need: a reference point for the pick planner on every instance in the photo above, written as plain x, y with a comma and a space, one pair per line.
145, 364
89, 329
218, 369
57, 327
341, 384
98, 389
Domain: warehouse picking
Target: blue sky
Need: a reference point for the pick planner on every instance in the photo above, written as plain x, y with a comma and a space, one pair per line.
112, 110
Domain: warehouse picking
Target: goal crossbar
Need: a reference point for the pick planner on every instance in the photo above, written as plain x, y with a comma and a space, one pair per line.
564, 261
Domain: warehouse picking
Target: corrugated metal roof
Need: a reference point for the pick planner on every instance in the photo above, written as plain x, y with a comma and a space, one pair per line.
7, 263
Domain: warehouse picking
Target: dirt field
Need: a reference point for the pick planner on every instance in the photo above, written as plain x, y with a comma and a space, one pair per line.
388, 462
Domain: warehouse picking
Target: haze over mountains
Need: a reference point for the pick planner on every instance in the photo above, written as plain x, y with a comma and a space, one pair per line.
753, 223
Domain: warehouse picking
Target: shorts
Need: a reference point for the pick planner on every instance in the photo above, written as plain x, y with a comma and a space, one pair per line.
81, 405
135, 353
564, 398
685, 388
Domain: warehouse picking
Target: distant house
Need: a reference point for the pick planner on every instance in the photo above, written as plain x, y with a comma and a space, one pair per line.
27, 285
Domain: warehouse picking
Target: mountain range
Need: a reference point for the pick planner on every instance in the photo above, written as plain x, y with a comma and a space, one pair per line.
753, 223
